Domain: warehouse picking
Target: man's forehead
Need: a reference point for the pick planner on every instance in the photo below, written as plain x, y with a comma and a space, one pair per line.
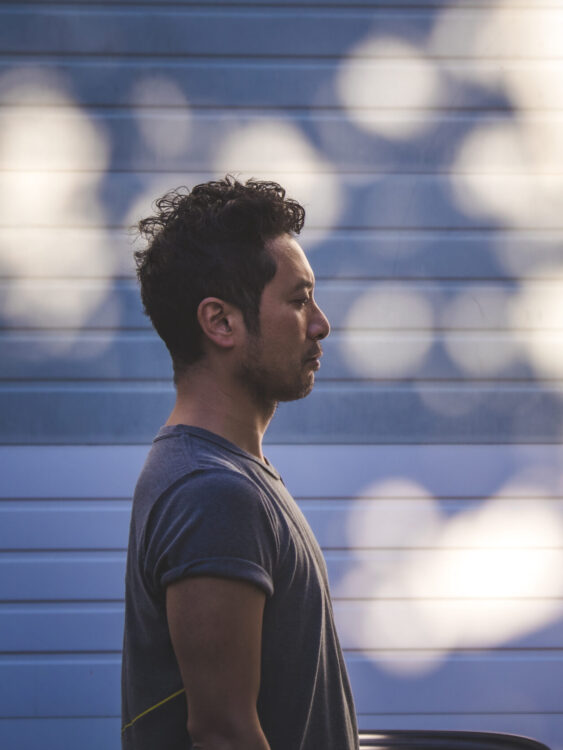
292, 262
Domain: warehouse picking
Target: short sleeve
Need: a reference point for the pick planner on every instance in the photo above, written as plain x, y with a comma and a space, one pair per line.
212, 523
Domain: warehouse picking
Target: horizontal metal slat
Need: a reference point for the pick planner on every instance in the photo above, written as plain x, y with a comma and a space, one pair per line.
310, 471
471, 683
369, 626
178, 31
62, 576
446, 574
356, 574
353, 356
360, 254
130, 413
53, 525
62, 628
275, 31
325, 3
88, 733
480, 683
382, 201
352, 304
395, 523
111, 81
235, 141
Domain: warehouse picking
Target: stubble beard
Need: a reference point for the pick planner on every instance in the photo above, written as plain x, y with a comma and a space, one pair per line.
265, 385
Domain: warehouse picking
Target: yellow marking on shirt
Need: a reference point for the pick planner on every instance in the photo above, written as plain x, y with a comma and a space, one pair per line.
152, 708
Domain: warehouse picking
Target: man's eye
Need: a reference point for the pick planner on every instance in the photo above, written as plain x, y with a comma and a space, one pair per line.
303, 301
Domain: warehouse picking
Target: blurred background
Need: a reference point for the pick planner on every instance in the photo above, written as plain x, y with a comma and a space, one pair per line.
425, 139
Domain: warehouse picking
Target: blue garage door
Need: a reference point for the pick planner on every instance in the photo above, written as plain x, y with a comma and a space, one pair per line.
426, 141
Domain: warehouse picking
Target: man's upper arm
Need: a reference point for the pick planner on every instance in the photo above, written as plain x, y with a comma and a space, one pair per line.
216, 630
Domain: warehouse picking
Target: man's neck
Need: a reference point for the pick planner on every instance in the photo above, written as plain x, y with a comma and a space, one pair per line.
222, 407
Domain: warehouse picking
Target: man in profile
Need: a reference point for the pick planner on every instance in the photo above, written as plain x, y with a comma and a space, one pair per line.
229, 640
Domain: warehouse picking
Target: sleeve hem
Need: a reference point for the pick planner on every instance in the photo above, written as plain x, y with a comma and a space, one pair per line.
222, 567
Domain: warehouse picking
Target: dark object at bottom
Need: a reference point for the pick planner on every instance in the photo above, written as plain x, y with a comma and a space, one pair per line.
443, 740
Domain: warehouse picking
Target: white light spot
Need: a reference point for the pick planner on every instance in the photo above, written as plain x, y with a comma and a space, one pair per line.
388, 73
56, 157
387, 520
277, 150
466, 583
384, 355
539, 308
162, 115
479, 354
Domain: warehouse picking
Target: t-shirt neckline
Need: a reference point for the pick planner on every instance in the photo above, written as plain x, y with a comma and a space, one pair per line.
213, 437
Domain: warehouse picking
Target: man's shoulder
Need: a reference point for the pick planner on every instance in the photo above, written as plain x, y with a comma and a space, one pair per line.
177, 455
212, 500
213, 489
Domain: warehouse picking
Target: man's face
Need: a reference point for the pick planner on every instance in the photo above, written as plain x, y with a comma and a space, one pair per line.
280, 362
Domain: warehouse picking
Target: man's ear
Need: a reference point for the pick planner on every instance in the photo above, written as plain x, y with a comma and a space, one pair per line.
219, 321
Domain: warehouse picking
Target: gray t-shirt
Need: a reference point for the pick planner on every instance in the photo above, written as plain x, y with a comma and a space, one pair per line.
203, 506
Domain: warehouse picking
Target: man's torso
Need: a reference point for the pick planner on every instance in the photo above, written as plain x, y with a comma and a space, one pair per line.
204, 507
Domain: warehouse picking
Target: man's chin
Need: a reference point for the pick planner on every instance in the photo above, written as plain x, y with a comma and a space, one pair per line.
299, 393
269, 391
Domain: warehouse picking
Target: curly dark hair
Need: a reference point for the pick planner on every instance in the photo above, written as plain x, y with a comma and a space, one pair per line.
210, 242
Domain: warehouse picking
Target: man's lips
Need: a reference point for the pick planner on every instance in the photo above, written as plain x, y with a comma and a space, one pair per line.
317, 354
314, 358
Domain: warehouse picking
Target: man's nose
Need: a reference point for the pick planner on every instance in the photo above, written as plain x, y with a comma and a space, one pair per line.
320, 327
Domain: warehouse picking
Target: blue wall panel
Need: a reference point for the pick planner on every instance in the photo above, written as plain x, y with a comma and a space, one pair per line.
425, 140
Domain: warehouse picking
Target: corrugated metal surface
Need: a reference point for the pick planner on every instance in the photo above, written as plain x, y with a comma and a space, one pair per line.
449, 607
425, 139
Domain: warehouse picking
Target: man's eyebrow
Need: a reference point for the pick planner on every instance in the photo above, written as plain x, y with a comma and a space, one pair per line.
303, 284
